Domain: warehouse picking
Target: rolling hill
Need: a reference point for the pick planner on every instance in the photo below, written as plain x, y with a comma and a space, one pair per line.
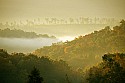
86, 50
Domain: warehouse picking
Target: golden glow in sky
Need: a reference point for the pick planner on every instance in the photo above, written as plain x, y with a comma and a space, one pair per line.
19, 9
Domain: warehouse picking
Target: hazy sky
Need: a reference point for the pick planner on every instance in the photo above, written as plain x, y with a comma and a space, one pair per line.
13, 9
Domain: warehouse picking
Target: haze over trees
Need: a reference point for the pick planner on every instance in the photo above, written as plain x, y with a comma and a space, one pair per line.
62, 21
70, 26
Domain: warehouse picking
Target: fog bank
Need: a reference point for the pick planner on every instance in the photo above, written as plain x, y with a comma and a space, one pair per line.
25, 45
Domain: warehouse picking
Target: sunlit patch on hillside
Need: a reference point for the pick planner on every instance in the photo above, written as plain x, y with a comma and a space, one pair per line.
66, 38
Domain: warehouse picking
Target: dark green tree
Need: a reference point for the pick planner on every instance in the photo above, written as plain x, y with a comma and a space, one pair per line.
35, 77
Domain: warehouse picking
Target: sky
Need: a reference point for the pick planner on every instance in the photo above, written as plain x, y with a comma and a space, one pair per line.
23, 9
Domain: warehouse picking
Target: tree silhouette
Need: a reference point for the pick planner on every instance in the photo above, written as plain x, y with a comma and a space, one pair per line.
67, 79
34, 76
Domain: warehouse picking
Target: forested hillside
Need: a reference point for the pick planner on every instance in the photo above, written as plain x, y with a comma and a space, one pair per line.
15, 68
86, 50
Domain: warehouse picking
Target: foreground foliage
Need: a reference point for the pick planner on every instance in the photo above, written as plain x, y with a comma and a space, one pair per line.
15, 68
110, 70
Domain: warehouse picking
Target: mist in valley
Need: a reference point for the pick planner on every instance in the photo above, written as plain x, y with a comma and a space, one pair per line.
25, 45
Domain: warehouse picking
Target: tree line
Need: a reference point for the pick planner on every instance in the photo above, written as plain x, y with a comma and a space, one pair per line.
54, 20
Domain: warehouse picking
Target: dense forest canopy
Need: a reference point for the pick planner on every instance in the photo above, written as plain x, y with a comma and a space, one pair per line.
7, 33
87, 50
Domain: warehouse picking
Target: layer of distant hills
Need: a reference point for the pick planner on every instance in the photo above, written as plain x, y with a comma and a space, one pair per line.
17, 33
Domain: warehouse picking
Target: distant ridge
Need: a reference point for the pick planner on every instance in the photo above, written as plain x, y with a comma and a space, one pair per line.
17, 33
